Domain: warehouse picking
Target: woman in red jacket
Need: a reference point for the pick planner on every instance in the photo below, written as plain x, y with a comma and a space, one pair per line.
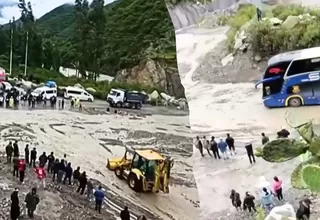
41, 175
22, 168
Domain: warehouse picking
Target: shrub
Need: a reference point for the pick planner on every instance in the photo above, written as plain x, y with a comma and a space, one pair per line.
267, 40
245, 13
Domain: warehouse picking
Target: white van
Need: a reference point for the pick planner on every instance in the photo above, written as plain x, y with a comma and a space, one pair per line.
45, 91
74, 92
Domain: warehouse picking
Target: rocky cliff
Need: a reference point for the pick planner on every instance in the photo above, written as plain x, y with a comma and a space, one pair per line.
156, 74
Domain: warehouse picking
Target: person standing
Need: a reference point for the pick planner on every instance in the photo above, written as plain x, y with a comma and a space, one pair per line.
248, 202
22, 168
76, 175
33, 157
50, 163
283, 133
277, 188
264, 139
206, 145
235, 199
259, 14
99, 197
199, 145
250, 152
16, 152
89, 189
222, 145
26, 154
230, 143
214, 148
68, 175
41, 175
56, 166
43, 159
15, 207
32, 200
61, 171
82, 183
125, 214
62, 103
16, 166
9, 152
267, 199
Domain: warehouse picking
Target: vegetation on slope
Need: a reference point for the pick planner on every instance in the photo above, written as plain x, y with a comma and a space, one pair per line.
94, 37
268, 40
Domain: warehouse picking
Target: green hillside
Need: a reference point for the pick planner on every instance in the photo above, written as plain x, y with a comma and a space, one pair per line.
128, 31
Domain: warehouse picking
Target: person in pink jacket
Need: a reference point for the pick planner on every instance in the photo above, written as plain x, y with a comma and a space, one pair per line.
277, 188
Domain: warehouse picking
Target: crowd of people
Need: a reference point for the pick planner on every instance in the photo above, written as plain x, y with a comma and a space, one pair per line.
61, 172
222, 146
267, 196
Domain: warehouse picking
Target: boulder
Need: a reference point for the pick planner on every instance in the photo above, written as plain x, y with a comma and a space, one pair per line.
166, 97
156, 74
275, 21
89, 89
78, 85
239, 39
227, 59
290, 22
154, 95
285, 211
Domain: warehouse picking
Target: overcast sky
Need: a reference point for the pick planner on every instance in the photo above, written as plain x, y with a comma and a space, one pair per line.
9, 8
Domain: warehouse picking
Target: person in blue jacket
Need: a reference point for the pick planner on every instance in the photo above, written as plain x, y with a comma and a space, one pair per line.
267, 199
222, 145
99, 196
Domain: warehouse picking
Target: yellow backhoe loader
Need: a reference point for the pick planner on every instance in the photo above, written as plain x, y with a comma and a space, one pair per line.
144, 170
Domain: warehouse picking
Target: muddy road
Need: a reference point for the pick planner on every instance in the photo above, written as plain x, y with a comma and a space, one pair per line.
89, 139
217, 109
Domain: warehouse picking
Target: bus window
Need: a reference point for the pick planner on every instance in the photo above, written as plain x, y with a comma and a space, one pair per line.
304, 66
307, 89
276, 69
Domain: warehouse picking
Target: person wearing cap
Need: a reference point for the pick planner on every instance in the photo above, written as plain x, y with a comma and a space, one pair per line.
250, 152
32, 200
222, 145
15, 207
283, 133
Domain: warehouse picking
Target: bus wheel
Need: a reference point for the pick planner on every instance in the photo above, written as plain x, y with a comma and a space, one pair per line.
295, 102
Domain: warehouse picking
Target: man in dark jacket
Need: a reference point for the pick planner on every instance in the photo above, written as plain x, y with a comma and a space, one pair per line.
50, 163
16, 152
82, 183
26, 154
33, 157
32, 200
99, 196
9, 152
76, 175
125, 214
214, 148
16, 166
303, 212
56, 165
230, 143
248, 202
68, 174
43, 159
61, 171
15, 207
250, 152
283, 133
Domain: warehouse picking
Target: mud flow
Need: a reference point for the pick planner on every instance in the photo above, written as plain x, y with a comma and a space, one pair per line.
89, 140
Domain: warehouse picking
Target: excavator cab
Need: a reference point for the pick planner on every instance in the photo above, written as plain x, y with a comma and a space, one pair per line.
147, 171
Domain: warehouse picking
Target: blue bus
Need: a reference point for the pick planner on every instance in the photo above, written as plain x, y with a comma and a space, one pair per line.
292, 79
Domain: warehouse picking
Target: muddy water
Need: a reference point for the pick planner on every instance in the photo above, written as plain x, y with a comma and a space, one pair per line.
217, 109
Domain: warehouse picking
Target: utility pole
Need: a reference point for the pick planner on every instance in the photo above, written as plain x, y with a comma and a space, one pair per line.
26, 56
11, 45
